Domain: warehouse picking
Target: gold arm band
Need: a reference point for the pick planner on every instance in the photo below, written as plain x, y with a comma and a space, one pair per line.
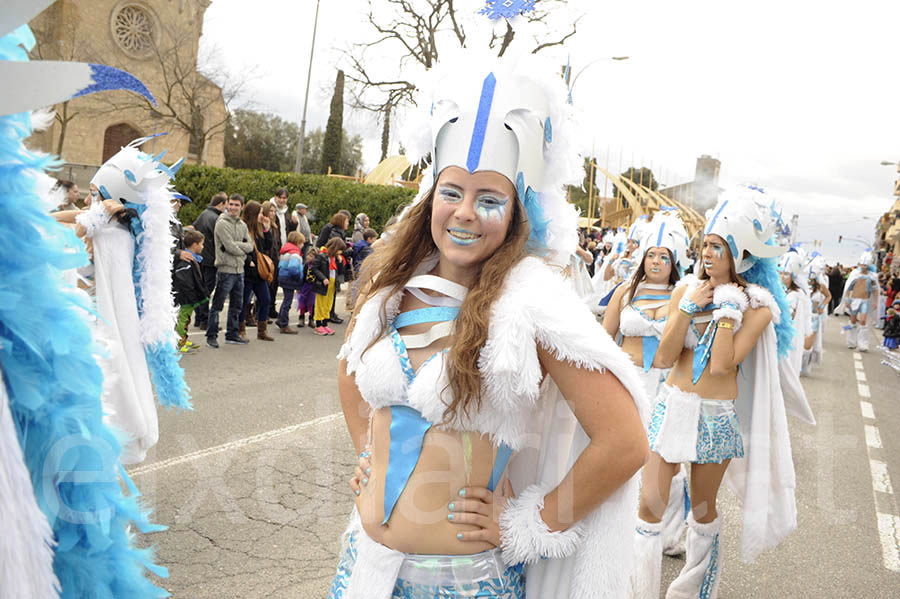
725, 325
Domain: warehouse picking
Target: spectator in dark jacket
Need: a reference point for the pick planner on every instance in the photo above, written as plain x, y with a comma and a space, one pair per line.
260, 229
271, 211
337, 227
188, 285
206, 224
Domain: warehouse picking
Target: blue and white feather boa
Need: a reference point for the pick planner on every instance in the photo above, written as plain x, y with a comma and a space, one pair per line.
54, 385
153, 289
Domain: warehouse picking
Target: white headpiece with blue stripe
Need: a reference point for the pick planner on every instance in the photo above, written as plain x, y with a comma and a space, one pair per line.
746, 219
666, 230
510, 116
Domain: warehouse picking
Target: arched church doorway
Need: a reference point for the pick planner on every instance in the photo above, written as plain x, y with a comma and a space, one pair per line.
116, 137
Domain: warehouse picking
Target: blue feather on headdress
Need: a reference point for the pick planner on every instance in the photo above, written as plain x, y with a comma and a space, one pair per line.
764, 273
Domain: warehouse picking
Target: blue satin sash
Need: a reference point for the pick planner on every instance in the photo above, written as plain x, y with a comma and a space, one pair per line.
650, 345
423, 315
704, 350
408, 430
503, 454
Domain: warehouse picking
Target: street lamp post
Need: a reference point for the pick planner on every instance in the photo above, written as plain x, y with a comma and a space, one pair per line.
298, 166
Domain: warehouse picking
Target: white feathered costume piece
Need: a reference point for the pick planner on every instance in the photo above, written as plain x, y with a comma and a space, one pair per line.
133, 266
511, 116
789, 367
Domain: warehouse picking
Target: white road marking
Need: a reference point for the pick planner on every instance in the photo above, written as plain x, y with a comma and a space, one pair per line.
888, 524
205, 453
881, 479
889, 531
859, 365
867, 410
857, 355
873, 437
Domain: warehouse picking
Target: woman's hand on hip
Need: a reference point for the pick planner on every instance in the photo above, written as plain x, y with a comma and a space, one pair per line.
361, 473
480, 507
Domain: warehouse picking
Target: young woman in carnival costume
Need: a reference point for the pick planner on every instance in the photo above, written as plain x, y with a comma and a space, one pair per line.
794, 278
820, 298
65, 534
636, 316
499, 426
132, 241
620, 266
860, 300
726, 421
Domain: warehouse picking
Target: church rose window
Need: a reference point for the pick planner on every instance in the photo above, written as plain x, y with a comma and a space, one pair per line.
134, 29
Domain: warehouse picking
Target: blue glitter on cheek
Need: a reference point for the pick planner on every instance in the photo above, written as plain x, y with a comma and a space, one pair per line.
718, 251
108, 78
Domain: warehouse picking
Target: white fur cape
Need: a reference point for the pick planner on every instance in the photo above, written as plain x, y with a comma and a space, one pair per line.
764, 478
524, 411
789, 367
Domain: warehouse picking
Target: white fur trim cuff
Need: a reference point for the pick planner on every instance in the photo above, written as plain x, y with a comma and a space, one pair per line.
730, 294
525, 537
92, 218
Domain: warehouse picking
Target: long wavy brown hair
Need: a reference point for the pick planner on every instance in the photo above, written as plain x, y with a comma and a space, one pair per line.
392, 264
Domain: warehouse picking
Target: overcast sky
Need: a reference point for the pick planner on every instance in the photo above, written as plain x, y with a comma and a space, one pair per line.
797, 96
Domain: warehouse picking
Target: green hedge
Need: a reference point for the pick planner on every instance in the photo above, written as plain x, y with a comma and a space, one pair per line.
324, 195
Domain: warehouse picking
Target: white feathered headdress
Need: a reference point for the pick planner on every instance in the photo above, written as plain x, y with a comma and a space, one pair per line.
511, 116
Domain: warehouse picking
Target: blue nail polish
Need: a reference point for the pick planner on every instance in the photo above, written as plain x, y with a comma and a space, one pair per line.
459, 536
365, 481
368, 471
449, 516
451, 507
462, 492
357, 492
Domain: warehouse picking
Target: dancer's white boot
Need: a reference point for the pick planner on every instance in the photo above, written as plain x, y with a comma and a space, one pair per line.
648, 551
674, 519
863, 338
699, 579
852, 336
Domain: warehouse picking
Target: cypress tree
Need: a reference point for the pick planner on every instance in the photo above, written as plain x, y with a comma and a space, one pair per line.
331, 145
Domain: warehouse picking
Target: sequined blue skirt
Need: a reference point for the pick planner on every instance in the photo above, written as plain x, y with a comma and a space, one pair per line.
718, 430
481, 576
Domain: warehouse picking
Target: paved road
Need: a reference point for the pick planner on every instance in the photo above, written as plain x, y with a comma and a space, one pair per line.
252, 484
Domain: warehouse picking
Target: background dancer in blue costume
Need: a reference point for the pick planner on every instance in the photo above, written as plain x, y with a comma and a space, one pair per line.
727, 421
51, 383
636, 317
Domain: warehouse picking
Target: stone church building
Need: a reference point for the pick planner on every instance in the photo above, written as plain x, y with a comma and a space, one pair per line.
155, 40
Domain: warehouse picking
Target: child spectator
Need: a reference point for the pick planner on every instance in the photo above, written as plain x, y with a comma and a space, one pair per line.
306, 298
362, 248
188, 286
324, 271
892, 326
290, 277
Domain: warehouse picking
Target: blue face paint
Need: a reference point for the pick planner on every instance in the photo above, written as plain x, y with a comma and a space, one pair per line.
491, 208
718, 251
450, 195
463, 236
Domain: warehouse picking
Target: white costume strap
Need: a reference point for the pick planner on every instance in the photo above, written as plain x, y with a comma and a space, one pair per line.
702, 319
454, 291
657, 286
438, 331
